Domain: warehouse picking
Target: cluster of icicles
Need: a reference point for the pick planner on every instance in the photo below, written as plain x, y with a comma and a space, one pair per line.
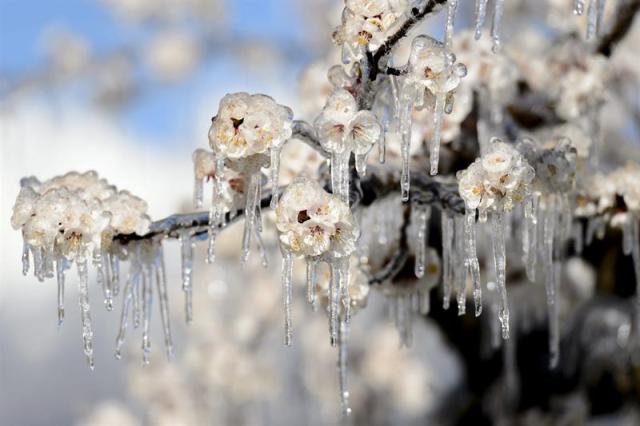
146, 271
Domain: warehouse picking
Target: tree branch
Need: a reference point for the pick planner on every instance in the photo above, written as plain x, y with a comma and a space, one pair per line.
625, 15
305, 132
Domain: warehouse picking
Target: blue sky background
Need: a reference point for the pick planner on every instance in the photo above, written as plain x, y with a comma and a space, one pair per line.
161, 113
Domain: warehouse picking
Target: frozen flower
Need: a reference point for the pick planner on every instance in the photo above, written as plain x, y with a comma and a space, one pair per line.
627, 183
428, 67
342, 128
555, 167
496, 181
596, 194
366, 24
247, 125
579, 139
76, 211
313, 222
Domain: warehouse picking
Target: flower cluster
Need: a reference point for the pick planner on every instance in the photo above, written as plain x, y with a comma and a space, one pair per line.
626, 180
366, 24
76, 210
555, 167
313, 222
433, 69
573, 77
342, 128
496, 181
248, 125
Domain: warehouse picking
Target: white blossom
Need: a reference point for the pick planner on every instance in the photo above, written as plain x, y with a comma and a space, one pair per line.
76, 210
497, 181
555, 167
366, 24
429, 68
247, 125
342, 128
313, 222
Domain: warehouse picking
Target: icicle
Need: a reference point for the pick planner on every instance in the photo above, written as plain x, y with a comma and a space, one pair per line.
38, 263
85, 310
115, 273
494, 322
127, 295
423, 213
186, 251
434, 147
578, 7
198, 193
459, 264
447, 253
361, 164
599, 14
498, 9
275, 173
551, 284
481, 12
578, 243
499, 261
135, 295
147, 300
163, 298
312, 265
452, 6
404, 117
345, 297
472, 259
103, 281
25, 257
531, 212
340, 175
216, 212
61, 266
342, 367
335, 291
250, 214
592, 18
287, 293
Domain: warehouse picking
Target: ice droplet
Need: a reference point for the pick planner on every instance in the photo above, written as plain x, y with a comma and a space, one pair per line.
578, 7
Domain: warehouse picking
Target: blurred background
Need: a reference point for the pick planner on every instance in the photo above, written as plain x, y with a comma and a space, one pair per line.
127, 88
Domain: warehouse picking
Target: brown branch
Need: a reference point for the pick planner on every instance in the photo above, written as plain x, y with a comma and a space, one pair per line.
625, 15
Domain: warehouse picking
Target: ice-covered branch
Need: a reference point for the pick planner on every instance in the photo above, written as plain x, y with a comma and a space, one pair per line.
624, 19
305, 132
